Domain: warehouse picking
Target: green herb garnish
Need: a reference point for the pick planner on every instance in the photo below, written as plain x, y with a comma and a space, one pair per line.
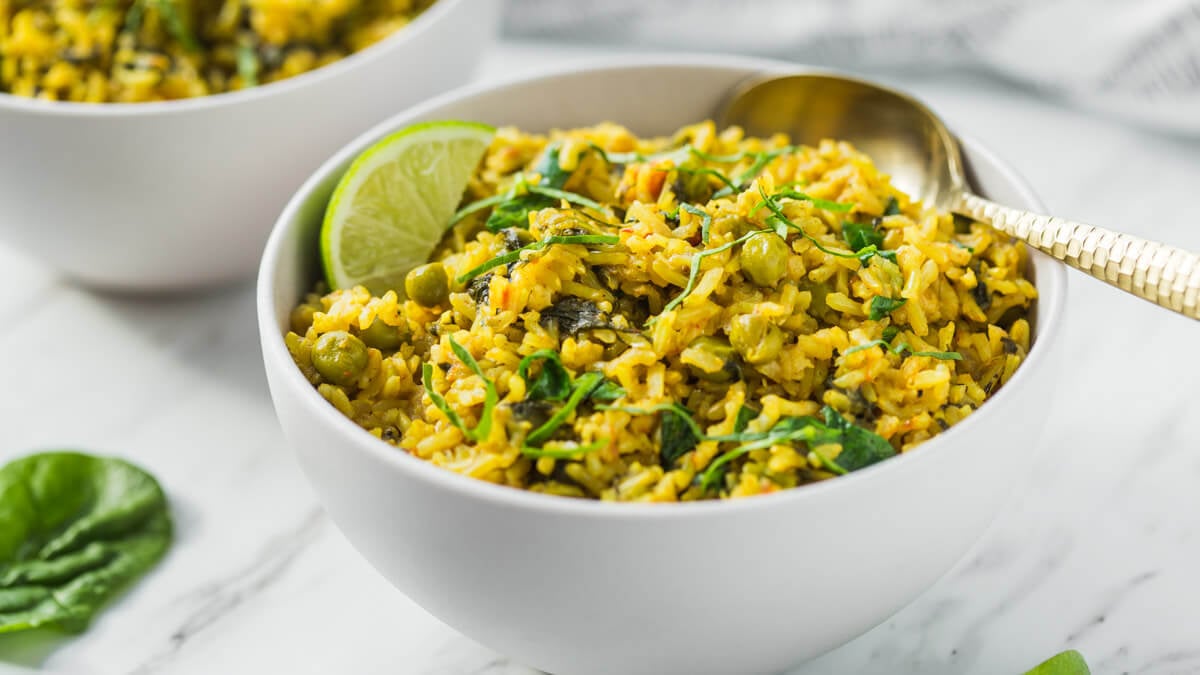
890, 333
673, 408
745, 415
901, 348
892, 208
247, 65
705, 220
571, 197
176, 24
74, 530
484, 427
564, 453
882, 306
553, 383
515, 256
860, 236
478, 205
582, 388
860, 447
552, 175
607, 391
694, 272
677, 435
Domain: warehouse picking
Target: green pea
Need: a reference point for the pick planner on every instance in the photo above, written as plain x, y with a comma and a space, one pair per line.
720, 348
764, 258
383, 336
755, 338
732, 223
428, 285
339, 357
302, 317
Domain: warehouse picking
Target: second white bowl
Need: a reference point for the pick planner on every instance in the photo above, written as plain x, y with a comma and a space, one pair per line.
175, 195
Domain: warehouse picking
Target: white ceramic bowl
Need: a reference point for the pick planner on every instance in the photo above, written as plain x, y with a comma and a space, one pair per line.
159, 196
573, 586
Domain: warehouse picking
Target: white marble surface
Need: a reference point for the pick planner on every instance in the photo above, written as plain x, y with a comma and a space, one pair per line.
1098, 552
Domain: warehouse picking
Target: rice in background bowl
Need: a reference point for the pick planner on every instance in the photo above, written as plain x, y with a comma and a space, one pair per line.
180, 194
574, 586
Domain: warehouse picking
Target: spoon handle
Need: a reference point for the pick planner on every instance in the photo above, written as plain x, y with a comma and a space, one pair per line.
1164, 275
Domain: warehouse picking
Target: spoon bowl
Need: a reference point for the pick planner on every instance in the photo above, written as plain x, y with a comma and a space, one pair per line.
911, 143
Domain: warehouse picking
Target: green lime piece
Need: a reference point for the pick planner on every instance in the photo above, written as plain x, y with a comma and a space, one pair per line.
1067, 663
393, 204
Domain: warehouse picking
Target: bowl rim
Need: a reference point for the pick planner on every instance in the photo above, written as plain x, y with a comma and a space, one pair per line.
1050, 318
374, 52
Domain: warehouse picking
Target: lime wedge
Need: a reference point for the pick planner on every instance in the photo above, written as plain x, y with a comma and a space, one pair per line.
392, 206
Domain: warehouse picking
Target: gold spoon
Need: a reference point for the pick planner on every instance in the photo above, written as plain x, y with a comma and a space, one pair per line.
911, 143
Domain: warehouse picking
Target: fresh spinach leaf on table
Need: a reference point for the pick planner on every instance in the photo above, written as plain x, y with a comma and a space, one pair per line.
74, 530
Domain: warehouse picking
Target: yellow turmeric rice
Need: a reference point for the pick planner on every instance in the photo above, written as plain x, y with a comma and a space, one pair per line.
132, 51
693, 317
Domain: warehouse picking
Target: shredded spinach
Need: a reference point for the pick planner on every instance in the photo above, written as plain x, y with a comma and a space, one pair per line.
702, 171
563, 453
705, 220
745, 415
982, 295
779, 217
676, 436
825, 204
552, 175
860, 236
479, 205
892, 208
890, 333
514, 211
247, 65
74, 530
553, 382
176, 24
901, 348
573, 315
607, 391
679, 434
860, 447
556, 194
583, 386
512, 208
694, 272
484, 427
515, 256
882, 306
